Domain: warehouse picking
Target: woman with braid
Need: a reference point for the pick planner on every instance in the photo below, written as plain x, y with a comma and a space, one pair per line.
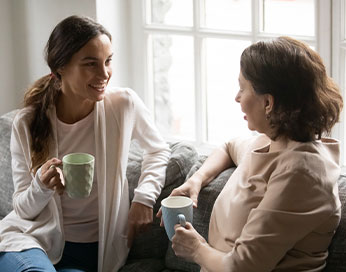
70, 111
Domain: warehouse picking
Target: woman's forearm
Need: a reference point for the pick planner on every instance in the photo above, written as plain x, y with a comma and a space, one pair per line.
30, 202
210, 259
213, 165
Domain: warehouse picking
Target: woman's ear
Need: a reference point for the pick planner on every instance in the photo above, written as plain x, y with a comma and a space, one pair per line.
269, 103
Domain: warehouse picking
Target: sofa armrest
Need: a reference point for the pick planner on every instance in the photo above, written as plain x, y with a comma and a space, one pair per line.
6, 183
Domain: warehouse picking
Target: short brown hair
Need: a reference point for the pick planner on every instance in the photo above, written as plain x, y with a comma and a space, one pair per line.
307, 103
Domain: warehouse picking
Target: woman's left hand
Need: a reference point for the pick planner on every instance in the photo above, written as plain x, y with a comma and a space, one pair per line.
186, 242
139, 220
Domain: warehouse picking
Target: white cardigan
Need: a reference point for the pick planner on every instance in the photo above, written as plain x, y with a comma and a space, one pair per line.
36, 221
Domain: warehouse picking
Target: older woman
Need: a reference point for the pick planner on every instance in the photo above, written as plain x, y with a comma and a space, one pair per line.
280, 208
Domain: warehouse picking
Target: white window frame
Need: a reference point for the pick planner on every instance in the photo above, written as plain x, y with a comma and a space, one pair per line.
338, 65
141, 70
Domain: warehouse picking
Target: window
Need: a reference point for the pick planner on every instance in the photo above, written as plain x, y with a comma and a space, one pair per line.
339, 63
190, 52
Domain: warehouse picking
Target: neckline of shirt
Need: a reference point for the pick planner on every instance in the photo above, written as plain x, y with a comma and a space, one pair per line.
79, 123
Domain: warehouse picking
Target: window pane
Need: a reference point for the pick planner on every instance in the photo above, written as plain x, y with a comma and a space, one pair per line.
296, 17
343, 15
342, 85
172, 12
173, 81
228, 14
225, 119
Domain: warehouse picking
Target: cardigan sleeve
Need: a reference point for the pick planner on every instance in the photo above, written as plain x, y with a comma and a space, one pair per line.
155, 157
294, 205
30, 196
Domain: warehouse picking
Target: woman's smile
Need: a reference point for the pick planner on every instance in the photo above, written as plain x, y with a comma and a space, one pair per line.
99, 87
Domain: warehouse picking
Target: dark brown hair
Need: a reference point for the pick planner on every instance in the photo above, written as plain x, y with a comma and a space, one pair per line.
67, 38
307, 103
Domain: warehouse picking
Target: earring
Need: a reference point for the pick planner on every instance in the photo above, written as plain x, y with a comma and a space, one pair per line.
268, 116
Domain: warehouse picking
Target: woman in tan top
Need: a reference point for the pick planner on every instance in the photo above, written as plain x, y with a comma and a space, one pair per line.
280, 208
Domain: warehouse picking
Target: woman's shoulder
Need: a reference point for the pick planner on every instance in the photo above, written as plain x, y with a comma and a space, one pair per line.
315, 161
323, 150
23, 116
250, 143
121, 100
119, 94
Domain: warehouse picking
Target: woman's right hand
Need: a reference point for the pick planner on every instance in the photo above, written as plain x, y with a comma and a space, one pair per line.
190, 188
51, 175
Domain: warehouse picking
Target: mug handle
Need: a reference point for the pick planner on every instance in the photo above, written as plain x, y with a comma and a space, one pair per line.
61, 168
182, 220
56, 166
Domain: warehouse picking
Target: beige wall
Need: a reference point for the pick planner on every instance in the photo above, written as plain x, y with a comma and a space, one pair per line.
25, 26
7, 91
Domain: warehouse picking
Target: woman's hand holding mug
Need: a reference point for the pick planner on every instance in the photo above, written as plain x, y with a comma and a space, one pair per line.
74, 173
190, 188
51, 175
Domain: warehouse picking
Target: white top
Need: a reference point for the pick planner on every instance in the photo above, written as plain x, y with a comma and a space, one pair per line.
80, 215
37, 217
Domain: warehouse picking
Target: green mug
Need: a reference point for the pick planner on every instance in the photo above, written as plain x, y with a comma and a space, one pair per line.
78, 171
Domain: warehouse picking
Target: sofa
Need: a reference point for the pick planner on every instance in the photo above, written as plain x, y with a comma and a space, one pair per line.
151, 251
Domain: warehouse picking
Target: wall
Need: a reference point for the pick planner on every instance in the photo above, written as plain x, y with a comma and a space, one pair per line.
137, 61
7, 91
26, 26
114, 16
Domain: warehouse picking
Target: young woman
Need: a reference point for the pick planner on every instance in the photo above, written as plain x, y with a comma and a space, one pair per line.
71, 111
280, 208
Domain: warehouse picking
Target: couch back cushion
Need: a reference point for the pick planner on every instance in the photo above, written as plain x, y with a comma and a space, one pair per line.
6, 183
201, 215
153, 243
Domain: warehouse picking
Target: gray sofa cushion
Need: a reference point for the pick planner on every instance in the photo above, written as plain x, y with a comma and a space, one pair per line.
6, 184
201, 215
144, 265
153, 244
337, 250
